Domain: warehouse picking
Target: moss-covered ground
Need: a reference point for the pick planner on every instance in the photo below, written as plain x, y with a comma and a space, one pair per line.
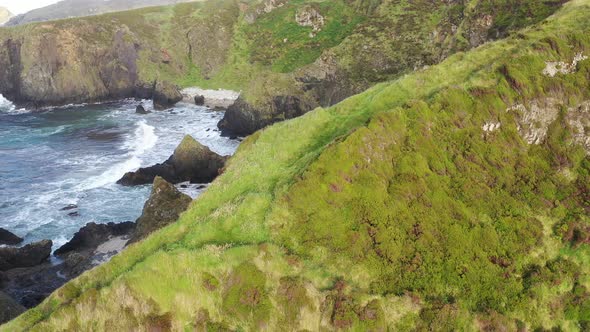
392, 210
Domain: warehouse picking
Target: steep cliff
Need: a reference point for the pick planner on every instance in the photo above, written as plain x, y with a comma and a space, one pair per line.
454, 198
287, 57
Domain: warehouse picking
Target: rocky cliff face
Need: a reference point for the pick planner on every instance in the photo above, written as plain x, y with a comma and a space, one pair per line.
62, 64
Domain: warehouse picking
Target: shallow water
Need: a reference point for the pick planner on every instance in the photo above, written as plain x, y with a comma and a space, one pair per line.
75, 154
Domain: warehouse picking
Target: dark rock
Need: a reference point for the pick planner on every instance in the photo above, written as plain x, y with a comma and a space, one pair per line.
8, 238
89, 237
27, 256
74, 214
184, 186
191, 161
199, 100
69, 207
165, 95
31, 285
9, 309
163, 207
141, 110
202, 187
243, 119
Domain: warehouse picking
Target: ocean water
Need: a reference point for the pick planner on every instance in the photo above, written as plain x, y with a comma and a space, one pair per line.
52, 158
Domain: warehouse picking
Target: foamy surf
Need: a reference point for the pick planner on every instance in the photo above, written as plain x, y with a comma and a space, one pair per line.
6, 105
143, 139
64, 156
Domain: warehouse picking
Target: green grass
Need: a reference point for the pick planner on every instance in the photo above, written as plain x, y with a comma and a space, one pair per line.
390, 209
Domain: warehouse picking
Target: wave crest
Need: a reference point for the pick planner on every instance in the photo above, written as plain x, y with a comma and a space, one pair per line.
144, 138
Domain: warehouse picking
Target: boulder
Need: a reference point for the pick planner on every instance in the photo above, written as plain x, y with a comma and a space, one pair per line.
8, 238
27, 256
243, 119
165, 95
191, 162
199, 100
89, 237
163, 207
140, 110
9, 309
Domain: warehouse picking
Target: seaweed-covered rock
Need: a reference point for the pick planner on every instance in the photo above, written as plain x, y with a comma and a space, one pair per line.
8, 238
191, 161
163, 207
27, 256
166, 95
9, 309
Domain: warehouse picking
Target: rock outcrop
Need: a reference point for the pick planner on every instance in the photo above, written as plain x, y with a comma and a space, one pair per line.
309, 16
165, 95
243, 119
163, 207
91, 236
30, 278
9, 309
191, 161
7, 238
27, 256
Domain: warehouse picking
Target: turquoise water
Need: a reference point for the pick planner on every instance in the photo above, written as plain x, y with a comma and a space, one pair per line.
52, 158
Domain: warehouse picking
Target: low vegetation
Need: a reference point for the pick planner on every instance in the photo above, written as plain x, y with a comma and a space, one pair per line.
391, 210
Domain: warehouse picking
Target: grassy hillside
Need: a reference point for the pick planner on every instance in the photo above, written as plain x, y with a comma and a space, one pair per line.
394, 209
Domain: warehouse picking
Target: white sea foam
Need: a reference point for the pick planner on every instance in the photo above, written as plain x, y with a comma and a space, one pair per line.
143, 139
5, 104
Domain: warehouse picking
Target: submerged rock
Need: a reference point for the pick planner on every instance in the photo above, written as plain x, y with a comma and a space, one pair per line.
165, 95
191, 161
8, 238
69, 207
163, 207
141, 110
27, 256
9, 309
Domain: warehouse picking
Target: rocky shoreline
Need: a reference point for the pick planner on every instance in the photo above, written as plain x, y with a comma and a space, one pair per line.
30, 273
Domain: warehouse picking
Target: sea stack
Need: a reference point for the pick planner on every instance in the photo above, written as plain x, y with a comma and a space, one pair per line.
191, 162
